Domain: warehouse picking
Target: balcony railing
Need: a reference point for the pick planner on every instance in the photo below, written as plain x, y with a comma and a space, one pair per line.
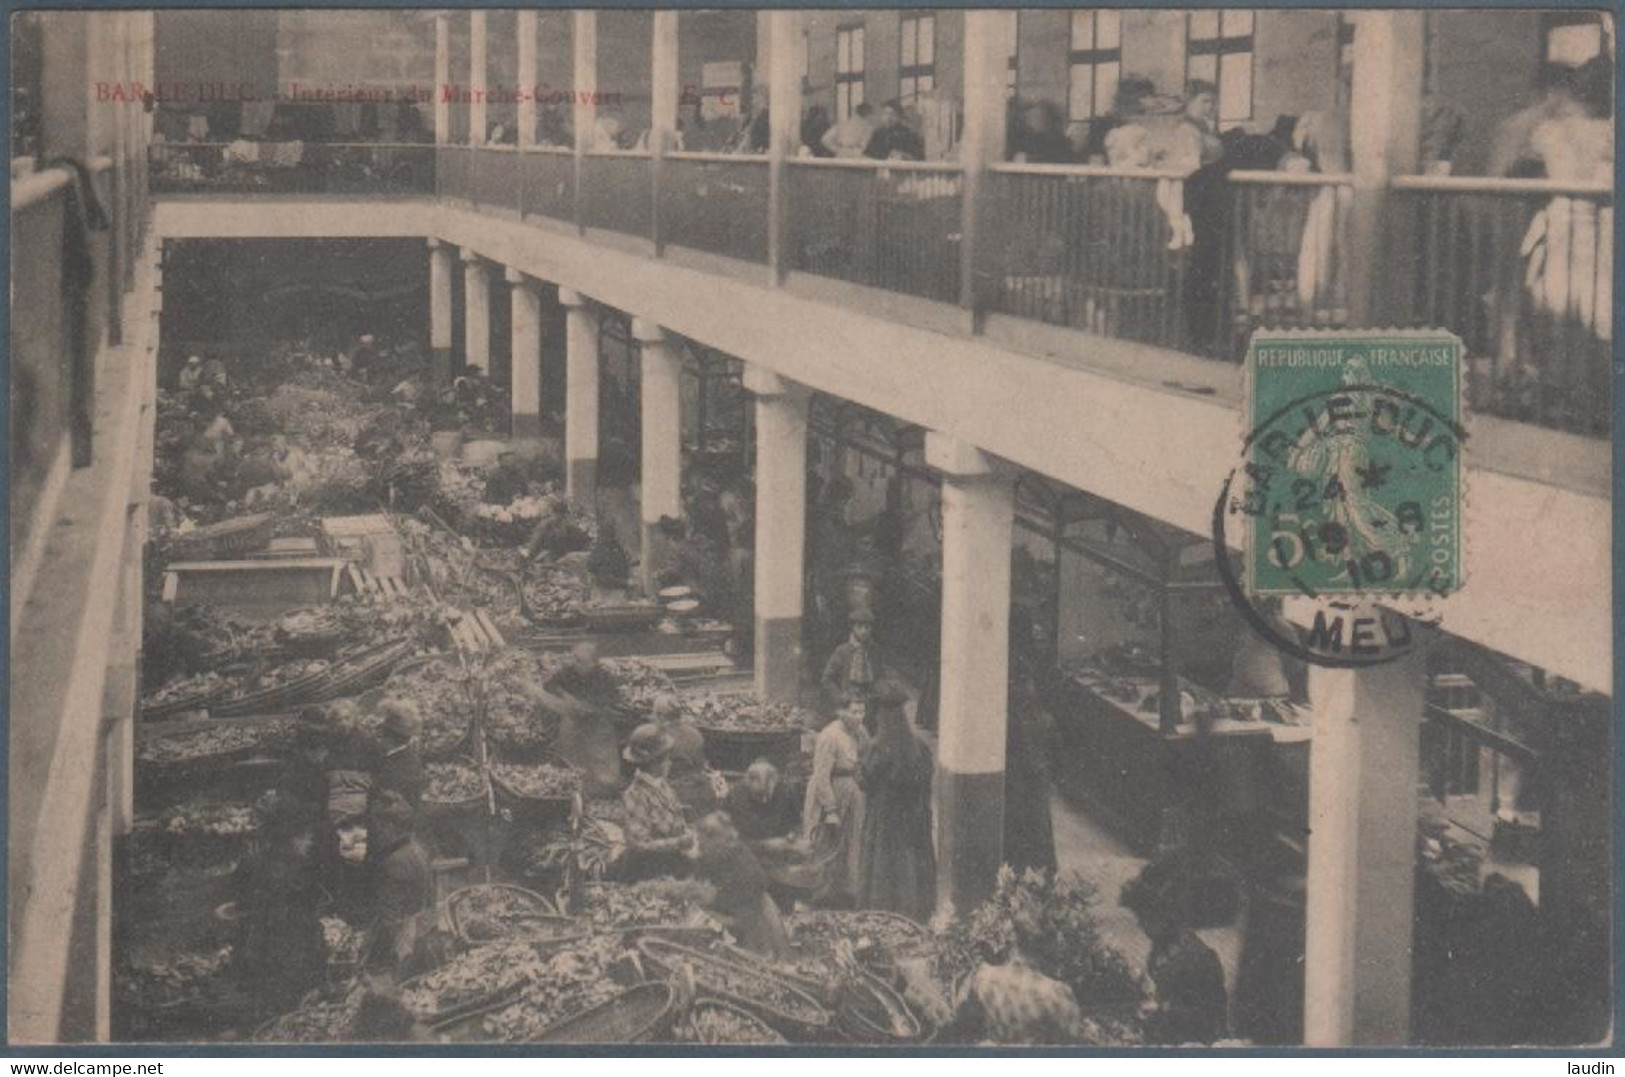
1522, 271
1098, 249
715, 203
887, 224
371, 168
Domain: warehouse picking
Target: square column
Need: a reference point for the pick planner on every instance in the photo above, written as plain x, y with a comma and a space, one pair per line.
1363, 771
527, 357
440, 255
442, 79
580, 399
476, 313
781, 507
978, 516
786, 41
477, 123
660, 481
526, 29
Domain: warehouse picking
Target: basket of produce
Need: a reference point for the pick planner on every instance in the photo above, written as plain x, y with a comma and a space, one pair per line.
622, 616
366, 669
438, 685
786, 1007
552, 597
471, 982
574, 979
456, 785
279, 688
638, 1015
546, 787
711, 1022
206, 830
192, 693
486, 912
867, 1010
520, 718
315, 630
638, 685
655, 907
208, 745
228, 538
739, 728
867, 931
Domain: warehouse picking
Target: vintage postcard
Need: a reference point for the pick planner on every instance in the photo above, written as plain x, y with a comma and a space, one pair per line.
811, 528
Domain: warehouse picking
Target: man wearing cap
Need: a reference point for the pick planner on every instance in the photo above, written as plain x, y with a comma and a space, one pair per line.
851, 669
658, 837
400, 761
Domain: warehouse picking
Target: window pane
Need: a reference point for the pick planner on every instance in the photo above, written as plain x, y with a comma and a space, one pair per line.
843, 51
1079, 99
1236, 86
857, 49
927, 83
1106, 76
910, 30
1012, 34
1083, 30
927, 50
1238, 23
1202, 67
1204, 25
1109, 30
843, 100
857, 94
1574, 44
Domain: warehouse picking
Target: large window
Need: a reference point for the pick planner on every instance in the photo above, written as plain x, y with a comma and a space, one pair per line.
917, 67
848, 70
1219, 49
1570, 38
1096, 63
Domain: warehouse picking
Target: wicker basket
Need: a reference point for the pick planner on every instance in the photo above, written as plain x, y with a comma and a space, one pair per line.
541, 912
481, 1005
638, 1015
764, 1032
531, 807
228, 538
475, 802
194, 702
774, 999
869, 1011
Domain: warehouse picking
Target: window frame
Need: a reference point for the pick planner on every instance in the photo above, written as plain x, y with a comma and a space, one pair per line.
850, 83
1012, 74
1219, 46
915, 73
1093, 58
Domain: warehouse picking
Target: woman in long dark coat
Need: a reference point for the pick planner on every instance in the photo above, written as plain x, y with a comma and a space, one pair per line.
898, 864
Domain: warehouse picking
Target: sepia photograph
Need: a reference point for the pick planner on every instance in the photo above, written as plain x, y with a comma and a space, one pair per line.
811, 529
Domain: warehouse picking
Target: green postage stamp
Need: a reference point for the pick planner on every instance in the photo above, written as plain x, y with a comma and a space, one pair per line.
1353, 464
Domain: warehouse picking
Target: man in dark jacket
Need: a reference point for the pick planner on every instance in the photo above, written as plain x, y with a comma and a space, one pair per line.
400, 881
894, 139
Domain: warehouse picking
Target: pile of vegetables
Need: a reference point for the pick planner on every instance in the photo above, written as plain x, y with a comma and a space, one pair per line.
181, 689
452, 783
538, 781
711, 1023
481, 973
515, 715
746, 714
570, 982
439, 687
611, 906
212, 820
205, 743
639, 684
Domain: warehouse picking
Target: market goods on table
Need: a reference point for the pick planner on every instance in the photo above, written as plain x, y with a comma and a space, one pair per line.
173, 982
769, 996
516, 711
637, 1015
714, 1023
639, 684
185, 693
738, 713
570, 982
675, 902
537, 781
478, 976
453, 783
439, 687
553, 594
488, 911
206, 743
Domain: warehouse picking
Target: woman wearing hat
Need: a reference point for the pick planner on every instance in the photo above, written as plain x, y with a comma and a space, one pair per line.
835, 800
658, 837
852, 668
897, 862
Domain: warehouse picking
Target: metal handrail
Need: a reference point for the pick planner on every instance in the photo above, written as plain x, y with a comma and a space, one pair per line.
1103, 171
554, 151
869, 164
1492, 185
717, 158
641, 155
1292, 179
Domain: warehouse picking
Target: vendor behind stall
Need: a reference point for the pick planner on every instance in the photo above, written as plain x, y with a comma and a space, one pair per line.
658, 837
762, 808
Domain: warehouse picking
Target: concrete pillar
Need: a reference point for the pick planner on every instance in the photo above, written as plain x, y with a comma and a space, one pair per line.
527, 356
440, 269
580, 398
584, 53
987, 61
781, 506
526, 29
660, 480
476, 313
664, 85
1363, 771
978, 512
1385, 134
786, 30
442, 79
477, 123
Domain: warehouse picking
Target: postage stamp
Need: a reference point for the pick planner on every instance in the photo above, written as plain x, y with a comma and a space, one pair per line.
1352, 479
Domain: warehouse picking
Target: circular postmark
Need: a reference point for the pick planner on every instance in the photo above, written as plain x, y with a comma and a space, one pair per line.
1347, 506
